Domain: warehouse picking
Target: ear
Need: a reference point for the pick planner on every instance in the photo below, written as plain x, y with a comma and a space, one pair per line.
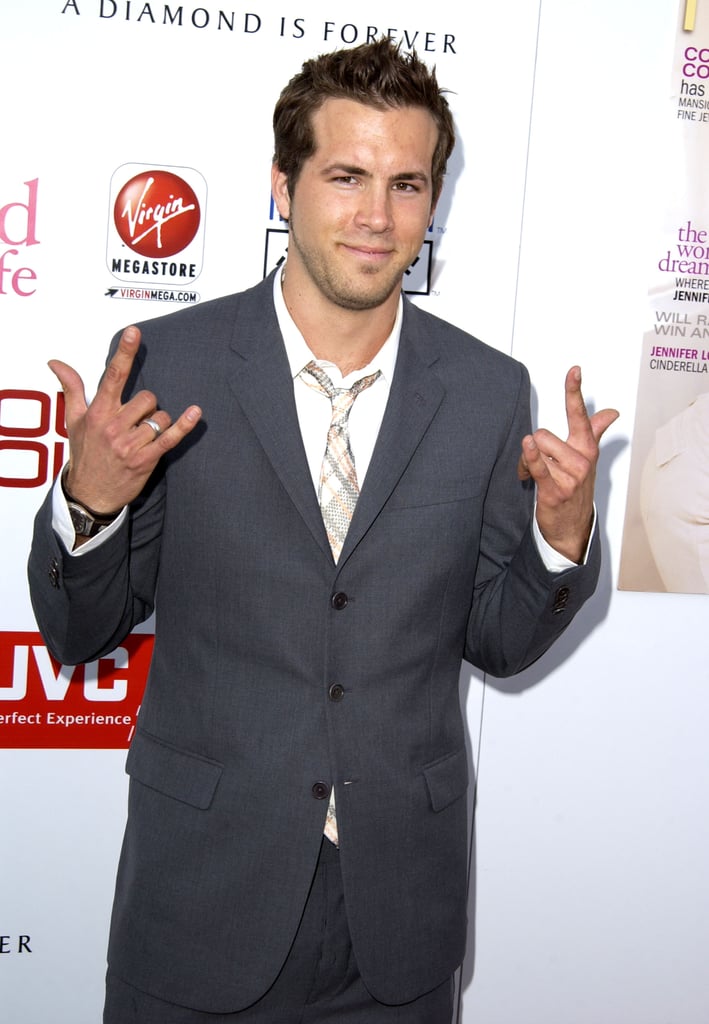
279, 190
433, 214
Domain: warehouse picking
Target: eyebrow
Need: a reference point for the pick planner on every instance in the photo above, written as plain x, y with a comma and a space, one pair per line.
362, 173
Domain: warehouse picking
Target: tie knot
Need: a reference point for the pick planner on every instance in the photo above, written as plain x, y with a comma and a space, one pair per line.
320, 381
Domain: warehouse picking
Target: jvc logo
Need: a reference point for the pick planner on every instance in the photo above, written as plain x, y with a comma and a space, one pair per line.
44, 704
56, 683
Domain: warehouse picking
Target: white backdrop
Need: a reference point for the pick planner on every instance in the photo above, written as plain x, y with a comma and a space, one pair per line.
591, 836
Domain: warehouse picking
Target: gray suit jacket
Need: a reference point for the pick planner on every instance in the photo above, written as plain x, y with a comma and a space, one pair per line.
240, 725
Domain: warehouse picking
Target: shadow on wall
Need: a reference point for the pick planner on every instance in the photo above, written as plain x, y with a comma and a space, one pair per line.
591, 615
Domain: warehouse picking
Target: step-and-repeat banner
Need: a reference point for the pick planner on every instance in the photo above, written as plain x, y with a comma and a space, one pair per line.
134, 180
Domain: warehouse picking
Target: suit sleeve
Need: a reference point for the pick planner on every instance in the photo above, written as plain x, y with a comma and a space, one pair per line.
519, 607
86, 606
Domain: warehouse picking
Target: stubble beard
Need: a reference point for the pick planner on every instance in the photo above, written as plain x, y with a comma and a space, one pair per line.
378, 283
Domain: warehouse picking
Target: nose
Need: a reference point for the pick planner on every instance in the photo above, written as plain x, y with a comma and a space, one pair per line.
375, 209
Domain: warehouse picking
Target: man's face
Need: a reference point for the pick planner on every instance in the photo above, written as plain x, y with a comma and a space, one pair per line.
362, 203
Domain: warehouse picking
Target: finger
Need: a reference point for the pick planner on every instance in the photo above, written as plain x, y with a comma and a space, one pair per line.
157, 423
532, 462
555, 452
141, 406
73, 387
523, 470
175, 432
113, 382
601, 421
584, 430
576, 414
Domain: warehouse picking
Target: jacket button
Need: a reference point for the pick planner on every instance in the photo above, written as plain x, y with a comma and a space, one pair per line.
336, 692
321, 790
339, 601
561, 599
54, 573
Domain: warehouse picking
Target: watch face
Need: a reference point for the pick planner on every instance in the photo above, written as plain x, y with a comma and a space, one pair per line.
82, 523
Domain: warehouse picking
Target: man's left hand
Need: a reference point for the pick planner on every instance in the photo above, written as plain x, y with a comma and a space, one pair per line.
565, 472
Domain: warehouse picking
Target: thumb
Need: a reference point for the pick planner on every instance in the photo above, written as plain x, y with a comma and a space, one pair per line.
72, 386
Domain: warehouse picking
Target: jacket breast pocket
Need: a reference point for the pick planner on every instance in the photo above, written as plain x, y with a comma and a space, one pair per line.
179, 774
414, 492
447, 779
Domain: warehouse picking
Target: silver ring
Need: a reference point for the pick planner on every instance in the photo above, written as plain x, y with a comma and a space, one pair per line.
155, 426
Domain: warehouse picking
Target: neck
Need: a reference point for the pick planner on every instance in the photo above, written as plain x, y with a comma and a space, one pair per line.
350, 339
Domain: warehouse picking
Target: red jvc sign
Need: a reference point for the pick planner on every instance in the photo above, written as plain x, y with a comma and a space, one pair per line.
44, 704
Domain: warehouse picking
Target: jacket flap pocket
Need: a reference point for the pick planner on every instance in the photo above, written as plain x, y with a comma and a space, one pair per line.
176, 773
447, 779
436, 490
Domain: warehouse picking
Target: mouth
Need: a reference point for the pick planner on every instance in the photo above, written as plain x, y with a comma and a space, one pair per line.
368, 253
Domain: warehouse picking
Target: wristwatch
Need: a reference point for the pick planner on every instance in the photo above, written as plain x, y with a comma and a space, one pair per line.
85, 521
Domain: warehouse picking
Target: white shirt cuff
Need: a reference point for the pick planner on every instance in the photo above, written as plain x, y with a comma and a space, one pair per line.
553, 561
64, 528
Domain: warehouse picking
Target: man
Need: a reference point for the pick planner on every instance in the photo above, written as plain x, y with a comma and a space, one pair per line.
306, 662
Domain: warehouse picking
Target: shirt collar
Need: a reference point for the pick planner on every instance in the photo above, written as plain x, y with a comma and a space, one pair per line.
299, 355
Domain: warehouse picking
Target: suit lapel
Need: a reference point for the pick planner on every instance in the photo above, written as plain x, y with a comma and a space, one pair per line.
261, 380
416, 393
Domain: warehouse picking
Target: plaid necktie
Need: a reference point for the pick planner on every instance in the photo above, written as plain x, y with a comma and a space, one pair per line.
338, 489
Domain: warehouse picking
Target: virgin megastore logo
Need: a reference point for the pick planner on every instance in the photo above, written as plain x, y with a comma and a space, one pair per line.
156, 229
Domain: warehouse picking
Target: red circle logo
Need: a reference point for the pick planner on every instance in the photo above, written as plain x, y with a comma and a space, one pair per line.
157, 213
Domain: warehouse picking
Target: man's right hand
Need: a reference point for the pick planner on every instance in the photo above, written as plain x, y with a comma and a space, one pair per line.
112, 450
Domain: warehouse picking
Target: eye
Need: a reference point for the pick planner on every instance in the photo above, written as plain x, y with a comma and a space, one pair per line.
406, 186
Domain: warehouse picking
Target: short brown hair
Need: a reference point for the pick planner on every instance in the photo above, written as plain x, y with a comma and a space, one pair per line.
377, 74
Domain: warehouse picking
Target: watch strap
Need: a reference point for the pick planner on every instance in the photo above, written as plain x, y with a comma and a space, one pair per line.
86, 521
